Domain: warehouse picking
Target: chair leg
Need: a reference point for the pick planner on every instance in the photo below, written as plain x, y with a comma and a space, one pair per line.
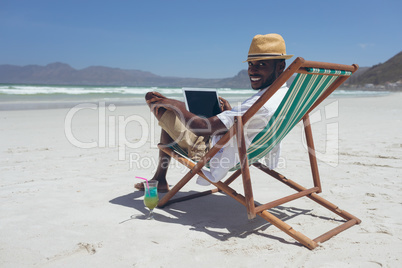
311, 152
248, 191
313, 196
350, 219
269, 217
309, 243
162, 202
167, 198
234, 176
306, 241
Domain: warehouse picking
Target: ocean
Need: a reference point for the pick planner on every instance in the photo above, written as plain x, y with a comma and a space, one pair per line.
16, 97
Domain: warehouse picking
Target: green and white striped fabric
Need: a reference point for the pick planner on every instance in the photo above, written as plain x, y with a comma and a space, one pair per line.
175, 147
328, 71
302, 94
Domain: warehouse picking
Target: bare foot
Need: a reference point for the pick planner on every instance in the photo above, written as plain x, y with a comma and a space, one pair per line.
163, 186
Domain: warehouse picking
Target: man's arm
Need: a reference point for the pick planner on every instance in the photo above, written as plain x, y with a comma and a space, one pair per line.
198, 125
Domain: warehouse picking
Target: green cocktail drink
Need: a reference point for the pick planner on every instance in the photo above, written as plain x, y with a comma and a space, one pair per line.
151, 196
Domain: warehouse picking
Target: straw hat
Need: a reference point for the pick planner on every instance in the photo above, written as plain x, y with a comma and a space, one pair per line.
267, 47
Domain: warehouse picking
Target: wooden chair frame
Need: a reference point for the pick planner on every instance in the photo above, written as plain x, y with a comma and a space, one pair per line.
298, 66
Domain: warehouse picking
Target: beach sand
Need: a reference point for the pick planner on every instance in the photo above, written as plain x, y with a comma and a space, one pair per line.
67, 197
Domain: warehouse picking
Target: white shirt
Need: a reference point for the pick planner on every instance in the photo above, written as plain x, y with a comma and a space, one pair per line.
228, 156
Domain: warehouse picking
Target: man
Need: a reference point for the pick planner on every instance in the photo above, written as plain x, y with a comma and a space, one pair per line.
266, 61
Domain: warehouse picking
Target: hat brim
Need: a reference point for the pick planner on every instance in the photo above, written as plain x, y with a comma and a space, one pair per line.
270, 58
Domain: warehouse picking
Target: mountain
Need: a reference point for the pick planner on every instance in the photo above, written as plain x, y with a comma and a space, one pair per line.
352, 81
389, 72
381, 76
61, 73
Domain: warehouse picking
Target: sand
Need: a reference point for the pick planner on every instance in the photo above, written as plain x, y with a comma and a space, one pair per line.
67, 198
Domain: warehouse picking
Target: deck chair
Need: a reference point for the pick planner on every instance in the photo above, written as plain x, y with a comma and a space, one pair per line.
314, 82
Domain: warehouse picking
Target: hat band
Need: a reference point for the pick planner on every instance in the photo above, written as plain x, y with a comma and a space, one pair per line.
265, 55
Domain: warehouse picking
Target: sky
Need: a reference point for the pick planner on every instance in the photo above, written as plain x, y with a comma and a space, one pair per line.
197, 39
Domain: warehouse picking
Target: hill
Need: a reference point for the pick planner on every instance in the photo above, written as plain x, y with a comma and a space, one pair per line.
389, 72
61, 73
381, 76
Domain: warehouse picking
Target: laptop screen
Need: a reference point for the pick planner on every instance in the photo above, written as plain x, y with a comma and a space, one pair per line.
202, 102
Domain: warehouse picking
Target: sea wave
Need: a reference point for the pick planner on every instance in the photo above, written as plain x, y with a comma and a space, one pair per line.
71, 90
16, 91
15, 97
358, 93
24, 90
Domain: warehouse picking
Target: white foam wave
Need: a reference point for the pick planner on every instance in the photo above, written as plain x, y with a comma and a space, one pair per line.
342, 92
75, 90
82, 90
125, 91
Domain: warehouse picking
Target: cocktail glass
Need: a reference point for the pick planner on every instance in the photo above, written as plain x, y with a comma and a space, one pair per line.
151, 197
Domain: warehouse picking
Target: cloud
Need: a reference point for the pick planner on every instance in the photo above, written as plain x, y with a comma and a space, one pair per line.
364, 46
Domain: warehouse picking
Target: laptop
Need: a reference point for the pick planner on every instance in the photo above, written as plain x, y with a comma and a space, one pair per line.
202, 101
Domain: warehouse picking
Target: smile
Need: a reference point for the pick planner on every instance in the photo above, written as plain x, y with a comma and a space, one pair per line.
255, 79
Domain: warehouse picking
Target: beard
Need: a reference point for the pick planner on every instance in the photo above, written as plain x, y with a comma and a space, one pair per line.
270, 80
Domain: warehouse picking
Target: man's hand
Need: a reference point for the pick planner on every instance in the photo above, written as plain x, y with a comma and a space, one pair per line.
225, 105
157, 101
156, 94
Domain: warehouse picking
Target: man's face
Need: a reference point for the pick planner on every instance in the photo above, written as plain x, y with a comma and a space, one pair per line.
262, 73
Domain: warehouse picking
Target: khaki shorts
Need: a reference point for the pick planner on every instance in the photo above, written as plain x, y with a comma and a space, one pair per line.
195, 146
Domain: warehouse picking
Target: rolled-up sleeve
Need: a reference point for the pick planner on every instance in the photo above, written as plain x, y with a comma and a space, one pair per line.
227, 117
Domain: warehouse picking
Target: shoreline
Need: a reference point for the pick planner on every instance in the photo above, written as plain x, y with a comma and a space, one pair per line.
47, 105
63, 104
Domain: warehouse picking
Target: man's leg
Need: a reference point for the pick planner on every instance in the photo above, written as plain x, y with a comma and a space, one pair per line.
163, 164
162, 167
173, 130
164, 159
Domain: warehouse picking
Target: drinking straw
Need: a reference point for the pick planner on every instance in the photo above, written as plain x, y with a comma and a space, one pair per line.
147, 183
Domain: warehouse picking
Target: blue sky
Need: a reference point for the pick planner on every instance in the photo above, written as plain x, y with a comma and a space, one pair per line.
200, 39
